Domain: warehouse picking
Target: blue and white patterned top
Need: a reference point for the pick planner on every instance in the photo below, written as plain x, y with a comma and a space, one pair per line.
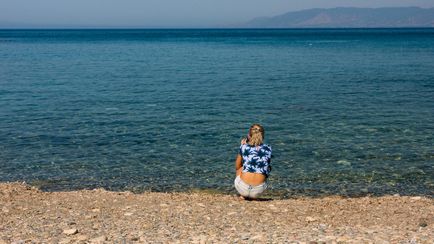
256, 159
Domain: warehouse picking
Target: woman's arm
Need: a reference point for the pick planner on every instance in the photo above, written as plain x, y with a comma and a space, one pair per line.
238, 165
238, 162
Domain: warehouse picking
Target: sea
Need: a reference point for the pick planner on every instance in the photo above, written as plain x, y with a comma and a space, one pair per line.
347, 112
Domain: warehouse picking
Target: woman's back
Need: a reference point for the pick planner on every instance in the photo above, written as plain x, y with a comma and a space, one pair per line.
256, 159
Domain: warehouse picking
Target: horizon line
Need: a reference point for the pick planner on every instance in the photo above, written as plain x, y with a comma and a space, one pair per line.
14, 25
204, 28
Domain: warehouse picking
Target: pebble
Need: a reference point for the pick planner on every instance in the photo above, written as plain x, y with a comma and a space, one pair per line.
322, 226
310, 219
18, 242
81, 238
423, 224
65, 241
89, 216
344, 162
330, 237
342, 239
245, 236
70, 231
99, 239
257, 237
128, 214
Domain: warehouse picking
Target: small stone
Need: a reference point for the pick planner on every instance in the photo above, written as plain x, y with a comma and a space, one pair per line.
81, 237
415, 198
92, 216
245, 236
65, 241
330, 238
128, 214
146, 226
342, 239
257, 237
70, 231
310, 219
272, 207
100, 239
95, 210
423, 224
344, 162
202, 239
18, 242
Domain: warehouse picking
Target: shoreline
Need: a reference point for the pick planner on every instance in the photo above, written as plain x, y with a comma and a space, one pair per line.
99, 216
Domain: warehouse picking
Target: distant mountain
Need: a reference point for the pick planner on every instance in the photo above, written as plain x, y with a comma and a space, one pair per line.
348, 17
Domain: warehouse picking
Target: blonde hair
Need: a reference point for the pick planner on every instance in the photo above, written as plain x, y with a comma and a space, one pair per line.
256, 135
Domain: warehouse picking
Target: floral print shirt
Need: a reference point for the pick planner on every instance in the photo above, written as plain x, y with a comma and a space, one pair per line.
256, 159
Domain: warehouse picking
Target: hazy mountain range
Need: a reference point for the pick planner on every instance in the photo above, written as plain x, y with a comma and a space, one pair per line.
341, 17
348, 17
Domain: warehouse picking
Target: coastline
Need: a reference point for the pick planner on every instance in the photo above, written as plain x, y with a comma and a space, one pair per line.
98, 216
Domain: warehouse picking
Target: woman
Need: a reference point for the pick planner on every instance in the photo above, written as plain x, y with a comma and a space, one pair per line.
253, 164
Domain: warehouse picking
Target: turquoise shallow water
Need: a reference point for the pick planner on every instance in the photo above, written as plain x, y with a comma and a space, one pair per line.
347, 112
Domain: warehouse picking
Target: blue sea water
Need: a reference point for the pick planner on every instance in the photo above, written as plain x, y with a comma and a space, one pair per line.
346, 111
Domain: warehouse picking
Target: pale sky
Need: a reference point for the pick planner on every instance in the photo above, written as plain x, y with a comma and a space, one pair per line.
166, 13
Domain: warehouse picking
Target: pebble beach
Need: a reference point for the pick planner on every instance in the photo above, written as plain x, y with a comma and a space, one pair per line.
28, 215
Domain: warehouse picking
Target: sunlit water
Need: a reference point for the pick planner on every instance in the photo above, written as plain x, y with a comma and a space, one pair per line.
347, 112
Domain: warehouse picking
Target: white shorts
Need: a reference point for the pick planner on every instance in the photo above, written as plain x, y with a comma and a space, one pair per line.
247, 190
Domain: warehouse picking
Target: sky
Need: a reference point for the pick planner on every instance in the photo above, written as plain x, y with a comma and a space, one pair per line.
165, 13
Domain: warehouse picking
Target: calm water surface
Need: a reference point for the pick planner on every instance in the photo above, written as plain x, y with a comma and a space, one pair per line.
347, 112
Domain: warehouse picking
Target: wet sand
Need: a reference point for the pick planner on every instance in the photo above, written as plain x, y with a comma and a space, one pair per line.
98, 216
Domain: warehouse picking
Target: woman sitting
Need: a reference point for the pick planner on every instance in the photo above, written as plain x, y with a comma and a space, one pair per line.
253, 164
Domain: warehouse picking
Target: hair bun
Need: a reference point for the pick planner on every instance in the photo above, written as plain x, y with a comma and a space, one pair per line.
256, 133
256, 129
